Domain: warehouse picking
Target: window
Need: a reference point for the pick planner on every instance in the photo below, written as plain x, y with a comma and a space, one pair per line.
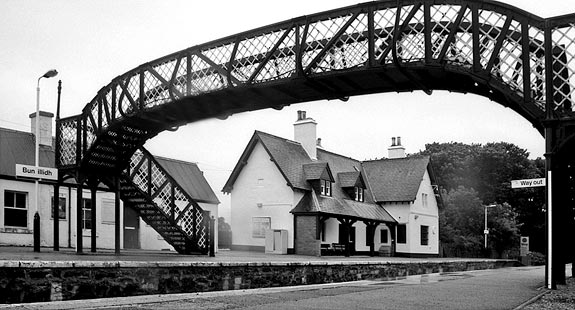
424, 200
359, 194
424, 235
383, 236
323, 224
86, 213
260, 225
15, 209
325, 188
401, 233
61, 208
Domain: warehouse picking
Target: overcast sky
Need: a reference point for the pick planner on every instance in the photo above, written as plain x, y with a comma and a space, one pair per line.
92, 41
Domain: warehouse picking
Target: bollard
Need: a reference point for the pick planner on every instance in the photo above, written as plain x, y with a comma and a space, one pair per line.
212, 236
36, 232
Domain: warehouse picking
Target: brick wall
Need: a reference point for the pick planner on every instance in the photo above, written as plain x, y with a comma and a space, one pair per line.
306, 242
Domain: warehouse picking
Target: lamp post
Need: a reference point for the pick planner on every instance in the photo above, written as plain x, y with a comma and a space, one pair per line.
486, 231
49, 74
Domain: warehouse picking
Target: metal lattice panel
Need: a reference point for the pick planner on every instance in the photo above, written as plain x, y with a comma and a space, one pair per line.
384, 21
537, 66
67, 142
411, 45
282, 62
564, 67
508, 64
461, 49
349, 50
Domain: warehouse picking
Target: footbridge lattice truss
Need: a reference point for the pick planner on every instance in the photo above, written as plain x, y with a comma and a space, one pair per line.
484, 47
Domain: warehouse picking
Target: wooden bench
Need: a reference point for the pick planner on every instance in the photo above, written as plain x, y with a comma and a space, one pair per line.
332, 249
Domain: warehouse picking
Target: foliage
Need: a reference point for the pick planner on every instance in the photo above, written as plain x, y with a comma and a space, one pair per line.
461, 223
477, 175
222, 225
537, 259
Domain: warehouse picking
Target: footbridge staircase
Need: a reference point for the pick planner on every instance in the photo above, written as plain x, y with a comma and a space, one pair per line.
164, 205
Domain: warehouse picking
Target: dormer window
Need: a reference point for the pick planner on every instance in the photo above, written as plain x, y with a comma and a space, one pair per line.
325, 187
358, 194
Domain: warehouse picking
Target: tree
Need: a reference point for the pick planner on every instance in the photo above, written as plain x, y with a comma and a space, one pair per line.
488, 169
461, 223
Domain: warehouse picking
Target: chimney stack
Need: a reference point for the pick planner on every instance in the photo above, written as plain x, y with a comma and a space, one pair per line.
396, 150
305, 133
45, 123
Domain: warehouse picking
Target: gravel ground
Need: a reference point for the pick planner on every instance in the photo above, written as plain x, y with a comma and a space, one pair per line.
561, 299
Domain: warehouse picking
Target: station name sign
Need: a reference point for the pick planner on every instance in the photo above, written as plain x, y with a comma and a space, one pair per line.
527, 183
34, 172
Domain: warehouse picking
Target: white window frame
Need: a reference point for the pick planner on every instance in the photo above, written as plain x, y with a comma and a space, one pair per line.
26, 207
325, 188
84, 210
359, 193
421, 235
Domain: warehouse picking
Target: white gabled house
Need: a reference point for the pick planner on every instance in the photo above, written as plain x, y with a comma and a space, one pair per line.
296, 197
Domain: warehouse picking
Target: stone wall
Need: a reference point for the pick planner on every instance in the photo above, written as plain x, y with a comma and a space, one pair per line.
22, 282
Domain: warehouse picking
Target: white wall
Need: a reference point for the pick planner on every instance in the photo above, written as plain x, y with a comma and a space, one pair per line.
105, 230
260, 182
424, 214
414, 215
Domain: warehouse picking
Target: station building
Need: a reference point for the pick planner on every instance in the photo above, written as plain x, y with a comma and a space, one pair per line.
293, 196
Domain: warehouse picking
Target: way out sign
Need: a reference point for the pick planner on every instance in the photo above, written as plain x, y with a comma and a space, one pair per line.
527, 183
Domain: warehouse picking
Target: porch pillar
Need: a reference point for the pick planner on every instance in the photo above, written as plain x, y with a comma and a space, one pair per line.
117, 223
393, 241
79, 216
56, 215
346, 223
93, 216
370, 228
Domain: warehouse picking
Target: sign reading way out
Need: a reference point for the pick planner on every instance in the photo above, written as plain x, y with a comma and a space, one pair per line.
527, 183
36, 172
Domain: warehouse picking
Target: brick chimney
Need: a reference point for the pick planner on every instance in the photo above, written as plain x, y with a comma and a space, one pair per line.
45, 122
396, 150
305, 133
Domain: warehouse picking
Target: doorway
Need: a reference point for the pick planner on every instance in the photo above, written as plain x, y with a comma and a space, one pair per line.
131, 228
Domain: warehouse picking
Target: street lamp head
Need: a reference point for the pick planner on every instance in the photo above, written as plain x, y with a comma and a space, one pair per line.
51, 73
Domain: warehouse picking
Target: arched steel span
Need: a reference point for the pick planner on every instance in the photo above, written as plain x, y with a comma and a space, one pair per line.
488, 48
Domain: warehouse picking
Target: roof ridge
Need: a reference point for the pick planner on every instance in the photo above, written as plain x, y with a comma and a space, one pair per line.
339, 155
175, 160
16, 131
274, 136
417, 156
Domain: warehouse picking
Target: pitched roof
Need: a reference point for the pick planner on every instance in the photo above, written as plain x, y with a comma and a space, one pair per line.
334, 206
317, 171
350, 179
190, 178
287, 155
395, 180
17, 147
